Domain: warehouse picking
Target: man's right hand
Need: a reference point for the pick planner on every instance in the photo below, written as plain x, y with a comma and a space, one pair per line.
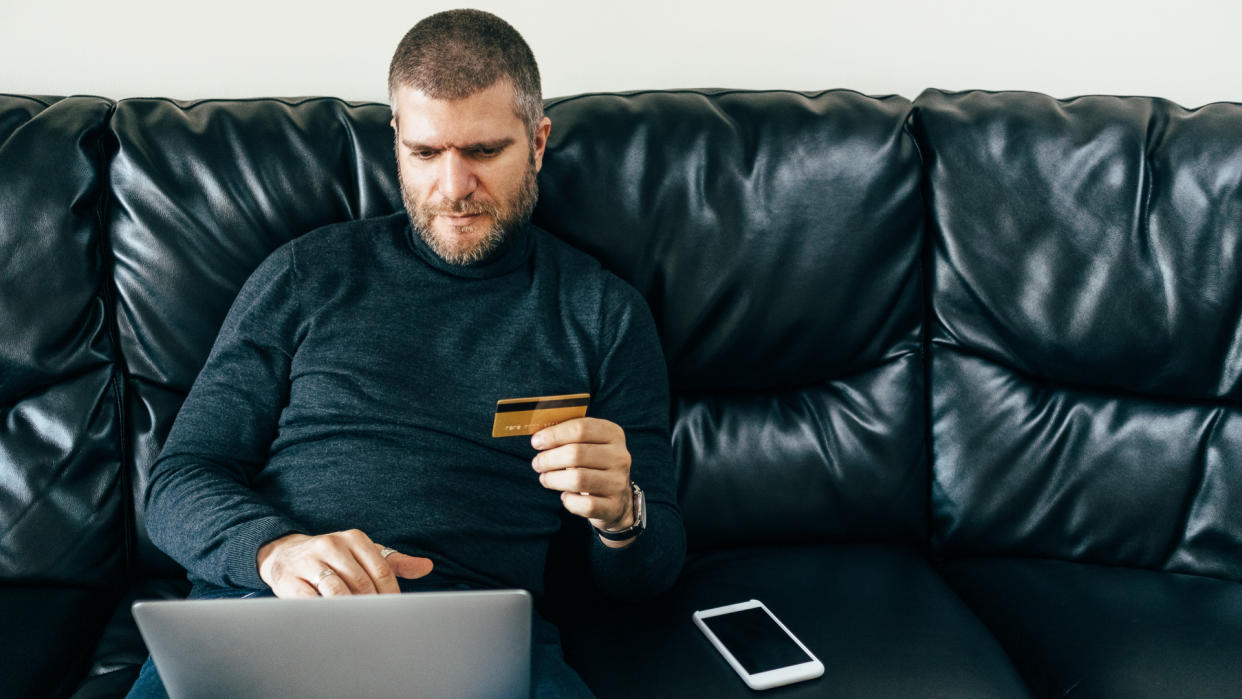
294, 565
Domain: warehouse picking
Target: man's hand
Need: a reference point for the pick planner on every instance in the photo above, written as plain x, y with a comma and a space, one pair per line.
295, 565
587, 461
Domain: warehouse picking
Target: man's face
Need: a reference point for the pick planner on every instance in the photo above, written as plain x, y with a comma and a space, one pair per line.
467, 168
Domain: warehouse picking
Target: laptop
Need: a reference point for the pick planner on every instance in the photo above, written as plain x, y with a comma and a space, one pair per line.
423, 644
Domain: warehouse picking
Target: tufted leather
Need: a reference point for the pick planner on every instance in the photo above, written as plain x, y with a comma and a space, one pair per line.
62, 520
1086, 336
59, 454
776, 236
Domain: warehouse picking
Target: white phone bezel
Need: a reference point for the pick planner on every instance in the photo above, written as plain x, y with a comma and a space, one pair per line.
770, 678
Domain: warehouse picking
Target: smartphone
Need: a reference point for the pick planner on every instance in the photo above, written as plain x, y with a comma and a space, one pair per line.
758, 646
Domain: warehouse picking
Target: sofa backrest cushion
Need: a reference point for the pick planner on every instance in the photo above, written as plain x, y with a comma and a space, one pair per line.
777, 237
202, 193
62, 518
1086, 328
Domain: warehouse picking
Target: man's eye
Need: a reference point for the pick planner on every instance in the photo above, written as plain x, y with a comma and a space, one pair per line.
423, 154
485, 152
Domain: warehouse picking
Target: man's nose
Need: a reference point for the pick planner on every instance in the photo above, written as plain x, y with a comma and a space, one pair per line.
457, 180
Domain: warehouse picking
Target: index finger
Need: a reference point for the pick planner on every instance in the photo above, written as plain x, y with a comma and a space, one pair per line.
361, 566
383, 576
579, 430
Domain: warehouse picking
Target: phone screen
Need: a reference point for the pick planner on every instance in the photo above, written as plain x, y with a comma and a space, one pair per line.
757, 642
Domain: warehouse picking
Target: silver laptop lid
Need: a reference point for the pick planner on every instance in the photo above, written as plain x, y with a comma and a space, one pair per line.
425, 644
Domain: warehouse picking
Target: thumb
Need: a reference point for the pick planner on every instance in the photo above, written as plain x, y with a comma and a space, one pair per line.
409, 567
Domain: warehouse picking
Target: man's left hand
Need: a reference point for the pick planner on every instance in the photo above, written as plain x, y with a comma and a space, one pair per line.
587, 461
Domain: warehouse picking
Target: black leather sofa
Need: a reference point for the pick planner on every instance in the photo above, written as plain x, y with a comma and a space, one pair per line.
956, 381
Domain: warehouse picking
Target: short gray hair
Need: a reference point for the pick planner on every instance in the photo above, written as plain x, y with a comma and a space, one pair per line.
455, 54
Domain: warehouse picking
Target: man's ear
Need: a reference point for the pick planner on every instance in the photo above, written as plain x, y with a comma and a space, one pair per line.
541, 141
393, 123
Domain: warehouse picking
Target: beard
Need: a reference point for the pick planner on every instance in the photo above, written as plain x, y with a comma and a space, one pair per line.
506, 217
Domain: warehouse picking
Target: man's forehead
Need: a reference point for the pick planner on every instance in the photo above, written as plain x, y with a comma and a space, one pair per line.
491, 108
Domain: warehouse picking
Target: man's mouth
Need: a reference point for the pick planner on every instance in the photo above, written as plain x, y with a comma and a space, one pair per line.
460, 219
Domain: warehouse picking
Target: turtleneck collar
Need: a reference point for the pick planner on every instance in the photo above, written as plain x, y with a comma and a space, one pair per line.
512, 252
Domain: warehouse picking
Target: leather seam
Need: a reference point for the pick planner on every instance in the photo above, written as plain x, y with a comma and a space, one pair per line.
720, 92
926, 288
1052, 383
187, 105
106, 148
28, 98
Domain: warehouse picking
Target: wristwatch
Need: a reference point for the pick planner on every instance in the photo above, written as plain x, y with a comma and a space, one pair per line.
640, 519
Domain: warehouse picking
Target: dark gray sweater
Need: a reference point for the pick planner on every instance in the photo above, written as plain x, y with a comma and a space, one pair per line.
353, 385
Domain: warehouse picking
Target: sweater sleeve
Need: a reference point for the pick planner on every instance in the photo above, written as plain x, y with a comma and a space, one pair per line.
632, 390
200, 507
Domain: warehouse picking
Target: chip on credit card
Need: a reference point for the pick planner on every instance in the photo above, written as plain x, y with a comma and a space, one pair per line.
519, 416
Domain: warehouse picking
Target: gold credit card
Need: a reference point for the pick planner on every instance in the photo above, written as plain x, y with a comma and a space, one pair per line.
518, 416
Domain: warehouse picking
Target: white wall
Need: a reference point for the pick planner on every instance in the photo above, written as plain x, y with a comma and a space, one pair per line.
1188, 51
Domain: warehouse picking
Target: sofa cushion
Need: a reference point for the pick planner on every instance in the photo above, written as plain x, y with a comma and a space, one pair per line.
49, 631
882, 622
1086, 328
62, 509
776, 236
1095, 631
120, 651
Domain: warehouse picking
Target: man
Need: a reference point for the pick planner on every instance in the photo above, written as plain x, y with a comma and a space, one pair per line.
338, 440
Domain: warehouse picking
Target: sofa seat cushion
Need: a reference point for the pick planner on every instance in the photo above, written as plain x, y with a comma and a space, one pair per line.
879, 618
48, 635
120, 651
1108, 632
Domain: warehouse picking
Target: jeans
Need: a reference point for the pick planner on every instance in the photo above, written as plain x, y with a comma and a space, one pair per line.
550, 676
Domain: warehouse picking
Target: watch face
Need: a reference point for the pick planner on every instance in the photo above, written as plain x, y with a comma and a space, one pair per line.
640, 508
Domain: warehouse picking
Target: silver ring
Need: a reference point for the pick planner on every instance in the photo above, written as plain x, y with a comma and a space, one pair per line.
386, 552
323, 575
